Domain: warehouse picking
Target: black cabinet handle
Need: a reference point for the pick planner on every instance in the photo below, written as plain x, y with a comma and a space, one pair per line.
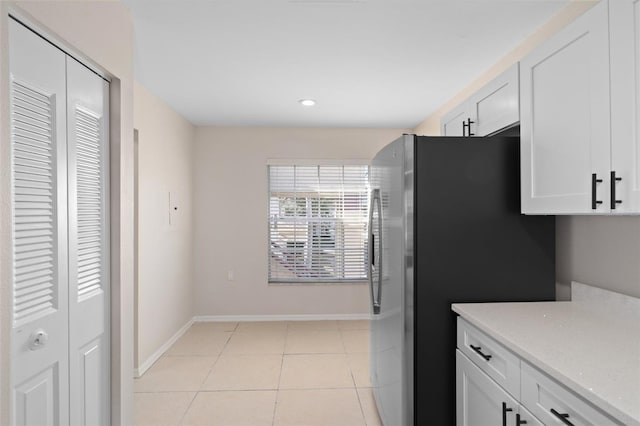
614, 180
505, 410
466, 125
562, 417
519, 421
594, 182
478, 350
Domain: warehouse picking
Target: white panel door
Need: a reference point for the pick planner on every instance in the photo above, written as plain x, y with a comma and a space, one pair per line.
625, 105
39, 338
453, 123
479, 400
565, 119
496, 105
88, 159
524, 417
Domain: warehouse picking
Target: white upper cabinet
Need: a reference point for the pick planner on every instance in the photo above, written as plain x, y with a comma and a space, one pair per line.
455, 122
624, 33
494, 107
579, 116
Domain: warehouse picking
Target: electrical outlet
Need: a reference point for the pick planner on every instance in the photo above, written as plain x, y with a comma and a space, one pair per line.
230, 275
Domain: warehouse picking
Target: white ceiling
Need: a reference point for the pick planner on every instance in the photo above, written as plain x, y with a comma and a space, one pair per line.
367, 63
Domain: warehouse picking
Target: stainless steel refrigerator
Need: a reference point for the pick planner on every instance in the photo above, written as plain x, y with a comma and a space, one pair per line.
445, 227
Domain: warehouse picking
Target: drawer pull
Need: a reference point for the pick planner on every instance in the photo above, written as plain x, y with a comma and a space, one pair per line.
519, 421
478, 350
505, 410
562, 416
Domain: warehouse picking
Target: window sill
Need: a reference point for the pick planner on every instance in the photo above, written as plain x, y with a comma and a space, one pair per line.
318, 283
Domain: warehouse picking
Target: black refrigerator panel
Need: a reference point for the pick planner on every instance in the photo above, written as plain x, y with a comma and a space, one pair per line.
471, 245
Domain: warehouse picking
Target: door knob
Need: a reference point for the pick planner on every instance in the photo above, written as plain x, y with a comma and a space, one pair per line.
38, 339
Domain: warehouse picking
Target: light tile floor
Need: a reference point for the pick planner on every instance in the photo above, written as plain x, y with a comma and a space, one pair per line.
301, 373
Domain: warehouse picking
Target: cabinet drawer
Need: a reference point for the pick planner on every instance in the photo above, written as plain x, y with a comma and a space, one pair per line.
493, 358
541, 395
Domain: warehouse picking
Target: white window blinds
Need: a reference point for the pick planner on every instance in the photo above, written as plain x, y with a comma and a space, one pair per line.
318, 223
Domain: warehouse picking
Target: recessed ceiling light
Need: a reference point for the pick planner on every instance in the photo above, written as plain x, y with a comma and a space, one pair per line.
307, 102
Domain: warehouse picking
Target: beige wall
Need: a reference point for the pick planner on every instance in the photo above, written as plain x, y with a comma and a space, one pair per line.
602, 251
103, 33
231, 216
165, 288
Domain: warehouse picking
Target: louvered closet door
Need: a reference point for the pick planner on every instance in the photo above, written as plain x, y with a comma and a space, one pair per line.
87, 117
39, 362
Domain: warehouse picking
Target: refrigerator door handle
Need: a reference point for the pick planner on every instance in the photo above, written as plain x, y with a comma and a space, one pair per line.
375, 203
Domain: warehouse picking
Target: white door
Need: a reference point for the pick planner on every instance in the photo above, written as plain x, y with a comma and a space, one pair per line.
524, 417
496, 105
60, 341
624, 18
565, 119
88, 159
479, 400
455, 122
39, 338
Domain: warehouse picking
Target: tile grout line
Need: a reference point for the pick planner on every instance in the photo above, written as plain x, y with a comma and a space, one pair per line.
364, 417
207, 375
344, 346
216, 361
204, 380
355, 388
284, 348
195, 394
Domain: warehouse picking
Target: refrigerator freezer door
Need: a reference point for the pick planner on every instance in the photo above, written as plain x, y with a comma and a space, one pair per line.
387, 327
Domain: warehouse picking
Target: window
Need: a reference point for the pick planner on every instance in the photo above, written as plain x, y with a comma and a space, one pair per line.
318, 223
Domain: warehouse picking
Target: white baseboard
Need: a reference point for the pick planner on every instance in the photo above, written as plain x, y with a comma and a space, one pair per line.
302, 317
142, 368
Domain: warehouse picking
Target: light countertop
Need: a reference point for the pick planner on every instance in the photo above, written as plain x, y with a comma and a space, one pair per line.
591, 347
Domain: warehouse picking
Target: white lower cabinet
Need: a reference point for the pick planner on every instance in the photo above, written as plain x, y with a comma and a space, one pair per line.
480, 401
533, 398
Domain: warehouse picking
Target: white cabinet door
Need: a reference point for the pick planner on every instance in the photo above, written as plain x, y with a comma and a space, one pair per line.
565, 119
524, 417
453, 123
496, 106
624, 18
88, 159
39, 338
479, 400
